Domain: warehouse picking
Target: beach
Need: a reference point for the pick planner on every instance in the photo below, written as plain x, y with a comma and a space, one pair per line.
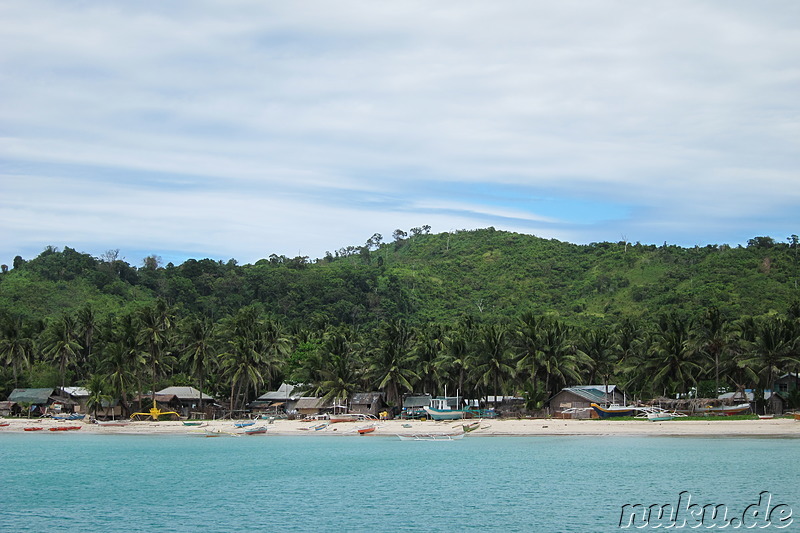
712, 427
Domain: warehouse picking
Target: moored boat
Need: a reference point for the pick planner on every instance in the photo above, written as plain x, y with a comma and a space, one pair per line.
366, 430
433, 436
259, 430
439, 409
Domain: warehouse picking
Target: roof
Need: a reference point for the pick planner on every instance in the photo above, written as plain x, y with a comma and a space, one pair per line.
284, 392
32, 396
365, 398
7, 405
592, 393
417, 400
184, 393
309, 403
75, 392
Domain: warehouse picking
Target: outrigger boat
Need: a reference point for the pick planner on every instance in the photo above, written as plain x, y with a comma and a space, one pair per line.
155, 412
112, 422
613, 411
244, 424
32, 428
73, 416
433, 436
65, 428
440, 410
260, 430
471, 427
366, 430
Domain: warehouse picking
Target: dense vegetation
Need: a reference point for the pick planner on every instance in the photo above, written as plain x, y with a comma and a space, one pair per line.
486, 312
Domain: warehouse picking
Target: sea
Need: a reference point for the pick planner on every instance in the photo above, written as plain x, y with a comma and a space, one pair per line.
184, 483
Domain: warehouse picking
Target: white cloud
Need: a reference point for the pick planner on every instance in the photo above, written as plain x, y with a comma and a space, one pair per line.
244, 128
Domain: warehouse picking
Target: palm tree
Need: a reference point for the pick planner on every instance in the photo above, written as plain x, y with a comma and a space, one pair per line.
197, 351
426, 353
560, 360
494, 363
673, 362
61, 343
97, 393
15, 348
527, 341
341, 374
603, 352
155, 327
392, 361
119, 363
713, 340
86, 322
773, 347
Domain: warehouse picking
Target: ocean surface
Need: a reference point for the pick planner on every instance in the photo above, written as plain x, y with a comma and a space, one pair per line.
110, 483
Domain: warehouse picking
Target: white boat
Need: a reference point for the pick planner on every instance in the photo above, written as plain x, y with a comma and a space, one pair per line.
432, 436
440, 410
660, 417
121, 422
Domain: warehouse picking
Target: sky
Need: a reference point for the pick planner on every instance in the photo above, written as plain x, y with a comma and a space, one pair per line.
239, 129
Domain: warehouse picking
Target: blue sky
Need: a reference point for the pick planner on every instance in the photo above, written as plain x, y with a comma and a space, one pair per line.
239, 129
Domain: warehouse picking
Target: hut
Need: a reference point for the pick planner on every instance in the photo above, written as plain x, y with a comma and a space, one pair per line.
581, 397
367, 403
10, 409
77, 397
36, 401
278, 401
309, 406
187, 400
413, 405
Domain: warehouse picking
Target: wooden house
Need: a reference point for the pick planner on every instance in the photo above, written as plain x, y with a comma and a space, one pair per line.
308, 406
35, 402
187, 401
581, 397
10, 409
367, 403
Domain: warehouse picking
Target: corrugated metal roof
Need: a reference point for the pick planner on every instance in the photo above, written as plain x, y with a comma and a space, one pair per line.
309, 403
284, 392
417, 400
32, 396
365, 398
184, 393
76, 392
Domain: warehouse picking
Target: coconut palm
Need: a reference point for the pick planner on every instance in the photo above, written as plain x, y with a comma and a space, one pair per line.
392, 362
673, 363
15, 348
61, 344
494, 363
155, 329
198, 351
98, 393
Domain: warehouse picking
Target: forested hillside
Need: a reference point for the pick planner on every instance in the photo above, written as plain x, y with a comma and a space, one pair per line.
419, 312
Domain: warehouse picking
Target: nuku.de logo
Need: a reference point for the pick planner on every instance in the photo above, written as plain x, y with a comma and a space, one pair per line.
686, 514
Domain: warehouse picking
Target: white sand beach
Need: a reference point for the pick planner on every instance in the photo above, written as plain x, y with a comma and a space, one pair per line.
713, 427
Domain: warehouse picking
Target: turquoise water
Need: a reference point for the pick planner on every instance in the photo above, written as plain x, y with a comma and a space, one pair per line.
88, 483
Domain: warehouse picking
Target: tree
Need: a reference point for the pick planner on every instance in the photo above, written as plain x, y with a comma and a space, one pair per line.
494, 364
392, 362
61, 344
198, 351
15, 348
673, 363
155, 328
97, 394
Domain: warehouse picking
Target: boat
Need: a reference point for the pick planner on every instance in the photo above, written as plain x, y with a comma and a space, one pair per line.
439, 409
73, 416
433, 436
65, 428
259, 430
244, 424
344, 417
660, 417
727, 410
4, 424
32, 428
319, 427
366, 430
613, 411
766, 417
471, 427
185, 423
218, 433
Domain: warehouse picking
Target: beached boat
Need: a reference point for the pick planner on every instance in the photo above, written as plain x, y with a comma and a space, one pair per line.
319, 427
766, 417
32, 428
244, 424
366, 430
471, 427
193, 424
344, 417
726, 410
214, 432
73, 416
439, 409
433, 436
660, 417
4, 424
65, 428
613, 411
259, 430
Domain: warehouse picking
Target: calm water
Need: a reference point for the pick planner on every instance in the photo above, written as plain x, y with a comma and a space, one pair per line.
93, 483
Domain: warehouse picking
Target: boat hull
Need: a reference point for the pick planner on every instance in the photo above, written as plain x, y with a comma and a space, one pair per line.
446, 414
613, 412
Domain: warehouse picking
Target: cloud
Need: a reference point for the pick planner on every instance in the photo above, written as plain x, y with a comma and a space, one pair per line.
244, 128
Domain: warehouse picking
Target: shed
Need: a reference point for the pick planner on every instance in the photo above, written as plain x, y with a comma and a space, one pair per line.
37, 399
188, 398
367, 403
413, 405
582, 396
10, 409
309, 406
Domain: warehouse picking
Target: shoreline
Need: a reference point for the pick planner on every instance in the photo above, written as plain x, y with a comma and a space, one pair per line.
716, 427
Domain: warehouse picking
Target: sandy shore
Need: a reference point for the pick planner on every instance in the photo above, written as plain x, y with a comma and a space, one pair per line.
717, 427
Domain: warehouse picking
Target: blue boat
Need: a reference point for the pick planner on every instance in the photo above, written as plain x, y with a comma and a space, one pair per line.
613, 411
